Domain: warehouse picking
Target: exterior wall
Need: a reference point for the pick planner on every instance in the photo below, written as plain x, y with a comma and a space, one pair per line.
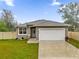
74, 35
28, 32
19, 36
37, 32
8, 35
24, 36
66, 32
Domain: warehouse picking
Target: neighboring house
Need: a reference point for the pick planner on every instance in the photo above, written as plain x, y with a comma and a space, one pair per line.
43, 30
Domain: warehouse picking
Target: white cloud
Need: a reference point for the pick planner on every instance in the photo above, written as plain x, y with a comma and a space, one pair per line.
55, 2
8, 2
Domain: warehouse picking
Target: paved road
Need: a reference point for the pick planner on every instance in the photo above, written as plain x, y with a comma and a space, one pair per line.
57, 50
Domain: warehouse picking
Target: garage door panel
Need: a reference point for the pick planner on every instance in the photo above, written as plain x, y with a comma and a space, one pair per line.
51, 34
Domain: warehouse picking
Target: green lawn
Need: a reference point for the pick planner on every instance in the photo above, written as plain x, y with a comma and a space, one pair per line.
74, 42
16, 49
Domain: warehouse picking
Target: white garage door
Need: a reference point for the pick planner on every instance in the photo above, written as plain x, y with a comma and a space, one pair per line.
51, 33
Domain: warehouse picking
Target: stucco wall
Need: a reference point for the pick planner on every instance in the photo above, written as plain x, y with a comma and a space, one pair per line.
28, 32
7, 35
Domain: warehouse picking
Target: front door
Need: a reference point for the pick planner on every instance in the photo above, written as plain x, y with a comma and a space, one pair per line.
33, 32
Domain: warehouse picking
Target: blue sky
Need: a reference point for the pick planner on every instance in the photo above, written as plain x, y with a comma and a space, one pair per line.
29, 10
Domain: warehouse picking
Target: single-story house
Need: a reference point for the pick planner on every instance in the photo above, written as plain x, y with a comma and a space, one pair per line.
43, 30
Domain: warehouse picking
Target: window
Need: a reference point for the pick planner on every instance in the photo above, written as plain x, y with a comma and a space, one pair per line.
22, 30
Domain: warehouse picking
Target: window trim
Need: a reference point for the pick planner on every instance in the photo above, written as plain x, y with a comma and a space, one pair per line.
22, 33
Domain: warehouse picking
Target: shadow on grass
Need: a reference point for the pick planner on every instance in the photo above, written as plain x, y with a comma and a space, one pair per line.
74, 42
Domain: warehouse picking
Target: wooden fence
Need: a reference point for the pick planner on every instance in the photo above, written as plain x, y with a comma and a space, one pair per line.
74, 35
7, 35
12, 35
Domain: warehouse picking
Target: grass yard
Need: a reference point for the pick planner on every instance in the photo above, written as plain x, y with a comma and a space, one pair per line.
17, 49
74, 42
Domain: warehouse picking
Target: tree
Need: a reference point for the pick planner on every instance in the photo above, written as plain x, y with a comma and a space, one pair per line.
70, 14
8, 19
3, 27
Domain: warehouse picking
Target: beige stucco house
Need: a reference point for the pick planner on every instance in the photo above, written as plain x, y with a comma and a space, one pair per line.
42, 30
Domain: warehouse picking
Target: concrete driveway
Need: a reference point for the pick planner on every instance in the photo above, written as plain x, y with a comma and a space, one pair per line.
57, 50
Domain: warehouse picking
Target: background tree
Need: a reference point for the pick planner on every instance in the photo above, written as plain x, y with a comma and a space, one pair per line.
3, 27
8, 19
70, 14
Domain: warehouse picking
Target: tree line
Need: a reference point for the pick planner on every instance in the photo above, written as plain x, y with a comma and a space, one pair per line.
7, 22
70, 15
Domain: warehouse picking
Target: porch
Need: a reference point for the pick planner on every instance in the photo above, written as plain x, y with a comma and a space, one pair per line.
33, 40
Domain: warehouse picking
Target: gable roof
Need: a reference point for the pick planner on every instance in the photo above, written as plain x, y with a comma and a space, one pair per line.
43, 23
46, 23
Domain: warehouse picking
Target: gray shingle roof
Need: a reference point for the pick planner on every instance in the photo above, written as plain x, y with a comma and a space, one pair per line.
46, 23
42, 23
21, 25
